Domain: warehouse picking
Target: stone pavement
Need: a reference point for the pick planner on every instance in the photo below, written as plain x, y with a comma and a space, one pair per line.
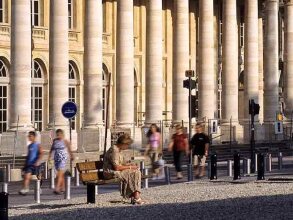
201, 199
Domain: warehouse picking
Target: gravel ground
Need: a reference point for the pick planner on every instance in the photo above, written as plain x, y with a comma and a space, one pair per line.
197, 200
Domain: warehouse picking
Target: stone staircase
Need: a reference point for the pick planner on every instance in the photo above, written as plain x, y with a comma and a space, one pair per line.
226, 152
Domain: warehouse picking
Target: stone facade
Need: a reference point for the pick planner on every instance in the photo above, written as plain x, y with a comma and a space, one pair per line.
239, 50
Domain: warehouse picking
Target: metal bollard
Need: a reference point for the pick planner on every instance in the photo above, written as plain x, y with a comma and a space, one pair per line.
269, 162
8, 173
4, 206
213, 175
46, 170
76, 174
67, 187
246, 166
96, 190
90, 192
52, 178
261, 167
236, 166
189, 172
209, 169
167, 175
142, 166
38, 191
230, 168
280, 160
5, 187
146, 180
256, 166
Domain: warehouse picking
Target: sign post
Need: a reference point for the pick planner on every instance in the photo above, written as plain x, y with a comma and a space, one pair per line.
69, 110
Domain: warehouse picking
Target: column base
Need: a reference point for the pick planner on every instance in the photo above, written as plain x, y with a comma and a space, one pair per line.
270, 134
259, 133
20, 127
9, 141
233, 133
92, 139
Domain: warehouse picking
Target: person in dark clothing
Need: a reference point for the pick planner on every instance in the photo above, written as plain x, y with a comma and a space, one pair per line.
179, 146
199, 144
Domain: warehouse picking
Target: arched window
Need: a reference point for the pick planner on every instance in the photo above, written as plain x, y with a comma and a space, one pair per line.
2, 11
136, 101
219, 97
104, 16
70, 14
37, 96
241, 81
36, 12
3, 96
104, 91
73, 79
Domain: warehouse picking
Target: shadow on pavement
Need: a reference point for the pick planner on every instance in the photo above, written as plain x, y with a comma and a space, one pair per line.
259, 207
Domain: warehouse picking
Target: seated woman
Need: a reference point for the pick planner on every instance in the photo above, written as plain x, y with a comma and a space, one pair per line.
129, 175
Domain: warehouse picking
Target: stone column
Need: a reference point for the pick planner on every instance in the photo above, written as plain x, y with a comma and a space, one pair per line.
20, 77
58, 55
206, 78
180, 60
289, 58
154, 66
93, 60
271, 61
125, 63
251, 77
230, 61
260, 66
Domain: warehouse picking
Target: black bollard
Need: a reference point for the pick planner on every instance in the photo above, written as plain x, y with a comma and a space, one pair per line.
236, 166
167, 175
91, 193
4, 206
189, 172
261, 166
213, 168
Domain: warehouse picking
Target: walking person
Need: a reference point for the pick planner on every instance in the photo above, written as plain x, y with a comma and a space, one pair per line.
33, 162
61, 149
200, 147
153, 146
128, 174
179, 146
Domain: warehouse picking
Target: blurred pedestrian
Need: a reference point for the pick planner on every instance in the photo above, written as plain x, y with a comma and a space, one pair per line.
153, 146
179, 146
159, 166
200, 147
33, 162
61, 149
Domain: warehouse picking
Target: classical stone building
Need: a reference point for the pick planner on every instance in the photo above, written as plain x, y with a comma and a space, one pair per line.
52, 51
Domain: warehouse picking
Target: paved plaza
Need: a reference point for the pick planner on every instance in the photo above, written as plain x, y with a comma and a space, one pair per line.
200, 199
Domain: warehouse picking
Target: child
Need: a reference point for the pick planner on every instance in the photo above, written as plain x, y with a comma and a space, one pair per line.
159, 165
61, 148
33, 161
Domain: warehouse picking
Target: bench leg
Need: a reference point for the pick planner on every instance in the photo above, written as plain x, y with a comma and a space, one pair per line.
91, 193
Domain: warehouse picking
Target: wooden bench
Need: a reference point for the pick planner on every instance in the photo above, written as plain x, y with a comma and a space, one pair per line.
91, 174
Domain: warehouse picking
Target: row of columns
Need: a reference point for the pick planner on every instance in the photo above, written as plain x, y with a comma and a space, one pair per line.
21, 58
59, 48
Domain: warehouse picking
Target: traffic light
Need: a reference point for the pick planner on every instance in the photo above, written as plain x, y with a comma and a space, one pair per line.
192, 84
253, 107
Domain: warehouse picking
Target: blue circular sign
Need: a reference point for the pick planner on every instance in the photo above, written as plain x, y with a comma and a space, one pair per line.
69, 109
